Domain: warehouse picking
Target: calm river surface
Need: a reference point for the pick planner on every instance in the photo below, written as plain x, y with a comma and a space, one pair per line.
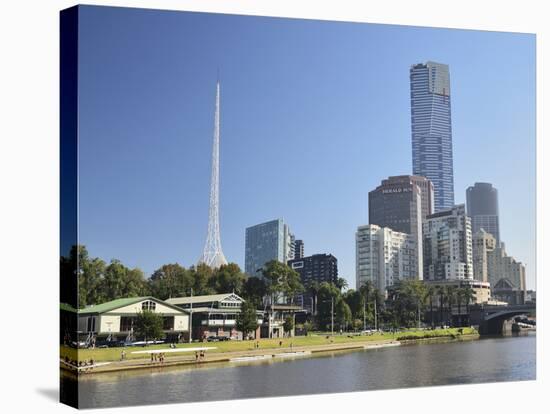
484, 360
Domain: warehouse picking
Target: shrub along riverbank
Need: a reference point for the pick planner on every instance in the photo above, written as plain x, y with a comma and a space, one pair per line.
436, 333
317, 339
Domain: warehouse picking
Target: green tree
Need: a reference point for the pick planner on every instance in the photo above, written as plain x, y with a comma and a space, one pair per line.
407, 299
169, 281
281, 280
73, 278
148, 325
356, 303
113, 282
274, 273
442, 292
357, 324
201, 275
254, 290
451, 294
247, 320
288, 324
376, 306
465, 294
419, 294
121, 282
343, 314
228, 278
366, 290
78, 255
90, 281
135, 284
313, 289
431, 291
292, 284
341, 283
371, 298
459, 297
329, 295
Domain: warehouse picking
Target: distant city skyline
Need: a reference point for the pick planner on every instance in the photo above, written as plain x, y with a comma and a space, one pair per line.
329, 101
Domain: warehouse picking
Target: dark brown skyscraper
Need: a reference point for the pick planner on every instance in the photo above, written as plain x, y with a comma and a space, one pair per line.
398, 201
402, 204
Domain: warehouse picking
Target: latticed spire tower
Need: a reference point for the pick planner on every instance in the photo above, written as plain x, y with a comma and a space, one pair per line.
212, 254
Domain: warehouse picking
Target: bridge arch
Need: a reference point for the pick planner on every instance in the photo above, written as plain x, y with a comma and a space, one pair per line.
493, 319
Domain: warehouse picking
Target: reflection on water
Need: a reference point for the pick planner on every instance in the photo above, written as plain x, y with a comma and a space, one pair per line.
485, 360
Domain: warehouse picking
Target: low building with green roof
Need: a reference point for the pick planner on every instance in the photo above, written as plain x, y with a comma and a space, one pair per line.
214, 315
117, 317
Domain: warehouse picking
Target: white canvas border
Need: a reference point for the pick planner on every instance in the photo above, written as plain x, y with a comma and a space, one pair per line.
29, 208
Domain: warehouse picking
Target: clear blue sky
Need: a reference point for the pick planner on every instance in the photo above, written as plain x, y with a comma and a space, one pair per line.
314, 115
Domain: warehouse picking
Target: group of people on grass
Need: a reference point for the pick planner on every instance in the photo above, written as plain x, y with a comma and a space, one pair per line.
157, 357
199, 356
79, 364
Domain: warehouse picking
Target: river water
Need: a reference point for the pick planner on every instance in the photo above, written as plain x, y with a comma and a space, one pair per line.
475, 361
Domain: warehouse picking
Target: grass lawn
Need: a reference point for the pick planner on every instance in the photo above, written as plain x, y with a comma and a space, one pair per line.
113, 354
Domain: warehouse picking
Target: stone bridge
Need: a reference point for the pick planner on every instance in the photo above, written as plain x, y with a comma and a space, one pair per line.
492, 318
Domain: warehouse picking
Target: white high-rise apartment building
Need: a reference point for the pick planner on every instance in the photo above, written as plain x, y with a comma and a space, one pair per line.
384, 256
448, 245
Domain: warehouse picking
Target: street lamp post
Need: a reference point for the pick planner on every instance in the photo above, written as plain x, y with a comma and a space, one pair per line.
332, 315
365, 305
191, 318
375, 316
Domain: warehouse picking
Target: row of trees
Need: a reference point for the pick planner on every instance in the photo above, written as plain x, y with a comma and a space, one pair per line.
411, 302
407, 303
344, 310
99, 281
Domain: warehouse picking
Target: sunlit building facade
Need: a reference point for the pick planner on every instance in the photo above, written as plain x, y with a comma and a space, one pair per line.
448, 245
432, 146
267, 241
384, 256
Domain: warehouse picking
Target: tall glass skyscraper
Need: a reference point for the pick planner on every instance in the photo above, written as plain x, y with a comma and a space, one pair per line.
432, 144
267, 241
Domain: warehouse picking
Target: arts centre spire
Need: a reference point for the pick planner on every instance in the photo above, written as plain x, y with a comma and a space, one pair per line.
212, 254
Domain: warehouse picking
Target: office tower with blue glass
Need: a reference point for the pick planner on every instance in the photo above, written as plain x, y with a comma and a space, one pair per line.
432, 144
267, 241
